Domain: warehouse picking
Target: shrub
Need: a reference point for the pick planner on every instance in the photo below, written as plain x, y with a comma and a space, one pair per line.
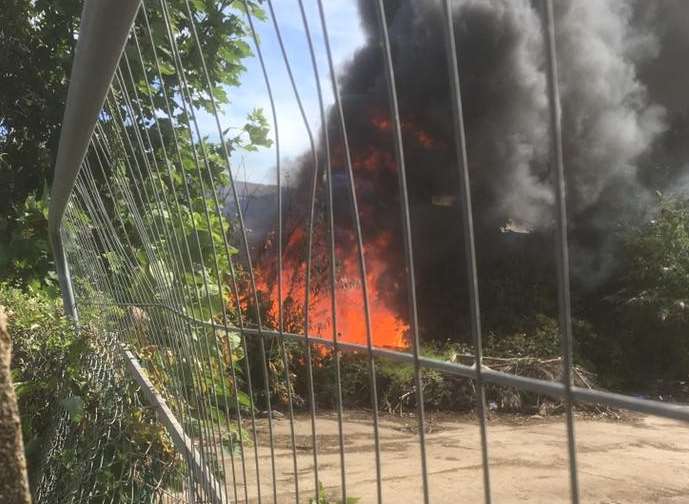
77, 405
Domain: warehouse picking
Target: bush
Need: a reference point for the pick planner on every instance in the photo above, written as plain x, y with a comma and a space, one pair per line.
45, 363
77, 405
533, 351
645, 313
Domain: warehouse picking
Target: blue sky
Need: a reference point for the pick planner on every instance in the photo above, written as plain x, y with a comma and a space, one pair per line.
346, 37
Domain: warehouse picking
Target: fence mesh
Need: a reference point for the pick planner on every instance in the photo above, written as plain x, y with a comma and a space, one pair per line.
162, 269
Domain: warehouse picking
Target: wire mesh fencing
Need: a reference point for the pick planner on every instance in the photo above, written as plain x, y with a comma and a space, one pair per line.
106, 444
157, 257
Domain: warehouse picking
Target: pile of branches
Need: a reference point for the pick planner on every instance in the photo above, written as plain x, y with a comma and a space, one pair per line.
396, 385
551, 369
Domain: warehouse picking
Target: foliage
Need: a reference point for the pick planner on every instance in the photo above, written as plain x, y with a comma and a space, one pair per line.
62, 399
37, 43
37, 40
538, 337
24, 252
649, 308
534, 351
657, 276
324, 499
46, 354
36, 49
395, 381
172, 194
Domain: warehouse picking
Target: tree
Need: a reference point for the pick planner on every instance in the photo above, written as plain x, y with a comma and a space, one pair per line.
650, 320
37, 39
36, 49
37, 43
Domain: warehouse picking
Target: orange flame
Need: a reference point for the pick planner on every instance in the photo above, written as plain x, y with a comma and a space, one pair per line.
382, 123
389, 328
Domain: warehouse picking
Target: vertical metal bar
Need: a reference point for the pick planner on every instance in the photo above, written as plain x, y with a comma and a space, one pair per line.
207, 348
333, 260
182, 407
201, 406
174, 232
124, 91
359, 236
191, 118
279, 219
65, 278
212, 488
104, 237
266, 80
564, 296
406, 225
309, 357
169, 112
165, 286
177, 63
468, 226
233, 280
100, 225
96, 146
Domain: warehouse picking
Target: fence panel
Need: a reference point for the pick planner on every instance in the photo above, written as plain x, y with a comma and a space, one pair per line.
153, 252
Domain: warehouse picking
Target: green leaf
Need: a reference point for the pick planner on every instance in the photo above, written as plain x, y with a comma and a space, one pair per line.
74, 406
166, 68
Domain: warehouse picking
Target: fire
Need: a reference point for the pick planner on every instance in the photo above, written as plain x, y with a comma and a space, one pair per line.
388, 328
381, 122
423, 138
375, 173
373, 160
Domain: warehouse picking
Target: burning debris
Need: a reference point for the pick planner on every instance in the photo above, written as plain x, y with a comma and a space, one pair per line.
616, 115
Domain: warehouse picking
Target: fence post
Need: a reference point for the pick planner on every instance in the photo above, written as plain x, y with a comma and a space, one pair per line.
65, 278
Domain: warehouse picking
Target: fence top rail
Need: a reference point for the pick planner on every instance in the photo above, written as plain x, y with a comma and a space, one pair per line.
103, 31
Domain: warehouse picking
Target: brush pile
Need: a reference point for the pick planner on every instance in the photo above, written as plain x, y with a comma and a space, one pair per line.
442, 391
511, 399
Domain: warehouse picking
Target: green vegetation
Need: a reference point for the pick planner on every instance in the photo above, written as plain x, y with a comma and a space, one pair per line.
644, 316
46, 358
67, 384
323, 497
37, 43
62, 402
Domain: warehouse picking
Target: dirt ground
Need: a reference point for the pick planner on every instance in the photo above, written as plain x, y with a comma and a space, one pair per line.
637, 460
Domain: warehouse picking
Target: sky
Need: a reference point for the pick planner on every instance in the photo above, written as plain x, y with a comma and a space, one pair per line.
346, 36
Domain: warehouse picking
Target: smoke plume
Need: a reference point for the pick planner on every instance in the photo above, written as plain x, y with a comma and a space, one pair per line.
623, 76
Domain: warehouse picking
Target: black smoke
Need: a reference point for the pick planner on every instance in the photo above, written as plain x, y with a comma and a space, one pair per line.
623, 78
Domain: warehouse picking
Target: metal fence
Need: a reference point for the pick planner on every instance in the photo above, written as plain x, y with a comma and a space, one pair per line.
135, 201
